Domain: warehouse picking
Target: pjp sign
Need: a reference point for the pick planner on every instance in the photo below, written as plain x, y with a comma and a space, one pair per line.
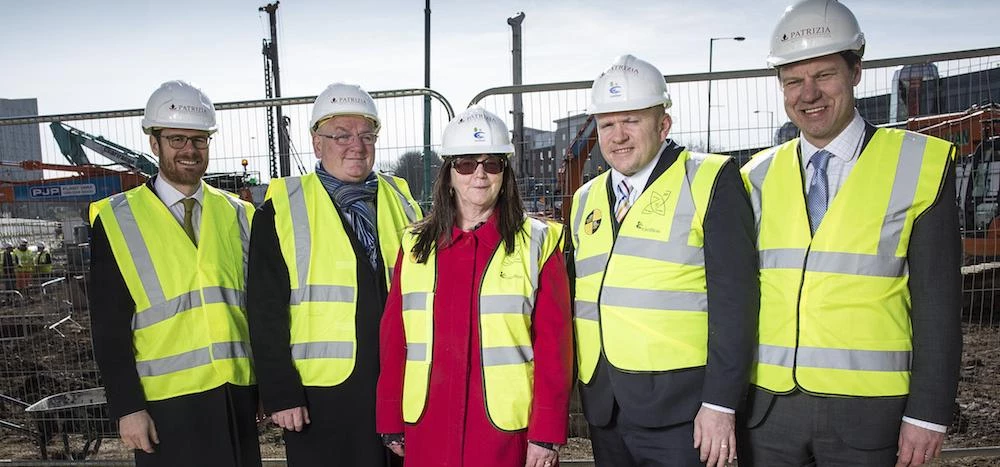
60, 191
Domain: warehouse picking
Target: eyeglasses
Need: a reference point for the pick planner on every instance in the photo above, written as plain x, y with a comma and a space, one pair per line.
346, 139
179, 141
467, 165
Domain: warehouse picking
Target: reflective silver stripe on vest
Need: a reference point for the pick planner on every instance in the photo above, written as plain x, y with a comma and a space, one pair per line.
137, 248
223, 295
756, 176
322, 293
904, 188
416, 352
493, 304
578, 215
783, 258
675, 249
411, 214
862, 360
166, 310
414, 301
539, 233
666, 300
175, 363
516, 355
241, 215
234, 349
300, 228
839, 359
660, 250
592, 265
334, 349
184, 302
834, 262
776, 355
856, 264
585, 310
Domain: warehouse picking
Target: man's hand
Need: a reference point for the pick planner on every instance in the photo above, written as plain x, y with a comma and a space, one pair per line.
715, 436
293, 419
396, 448
541, 457
917, 445
138, 431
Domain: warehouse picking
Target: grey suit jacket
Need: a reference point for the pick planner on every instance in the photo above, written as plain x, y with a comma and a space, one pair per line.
672, 397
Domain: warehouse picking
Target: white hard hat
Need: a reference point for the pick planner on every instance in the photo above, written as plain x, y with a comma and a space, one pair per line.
23, 242
7, 244
814, 28
628, 84
344, 99
177, 104
476, 131
40, 245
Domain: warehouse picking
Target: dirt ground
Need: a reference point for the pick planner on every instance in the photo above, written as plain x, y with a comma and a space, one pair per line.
36, 361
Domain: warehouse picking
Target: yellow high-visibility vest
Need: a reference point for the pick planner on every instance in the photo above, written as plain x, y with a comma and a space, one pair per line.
834, 306
43, 262
642, 298
189, 329
25, 260
506, 302
322, 269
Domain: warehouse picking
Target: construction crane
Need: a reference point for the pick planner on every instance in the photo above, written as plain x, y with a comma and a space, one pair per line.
277, 123
72, 140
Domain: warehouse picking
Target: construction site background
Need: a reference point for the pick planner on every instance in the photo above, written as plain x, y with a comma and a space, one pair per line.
50, 401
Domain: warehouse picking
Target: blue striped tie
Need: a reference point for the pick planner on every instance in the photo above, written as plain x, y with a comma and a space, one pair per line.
819, 190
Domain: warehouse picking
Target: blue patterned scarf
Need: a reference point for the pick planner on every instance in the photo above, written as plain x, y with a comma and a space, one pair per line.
357, 201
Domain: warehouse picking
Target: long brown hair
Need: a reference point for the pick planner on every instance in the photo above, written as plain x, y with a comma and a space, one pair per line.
439, 222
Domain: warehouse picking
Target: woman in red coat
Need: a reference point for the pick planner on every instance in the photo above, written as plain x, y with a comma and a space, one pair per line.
484, 375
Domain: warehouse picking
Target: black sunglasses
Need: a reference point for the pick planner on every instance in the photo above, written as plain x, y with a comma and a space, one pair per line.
468, 165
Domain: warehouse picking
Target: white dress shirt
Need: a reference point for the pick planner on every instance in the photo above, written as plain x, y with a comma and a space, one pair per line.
172, 199
845, 148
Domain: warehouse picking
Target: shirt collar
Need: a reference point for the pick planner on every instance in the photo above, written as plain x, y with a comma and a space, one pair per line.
846, 146
170, 196
639, 179
487, 232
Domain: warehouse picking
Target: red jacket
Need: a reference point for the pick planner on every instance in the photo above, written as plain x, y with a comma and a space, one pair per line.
455, 430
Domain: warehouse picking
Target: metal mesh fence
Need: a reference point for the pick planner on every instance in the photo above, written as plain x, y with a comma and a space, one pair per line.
44, 325
51, 401
951, 96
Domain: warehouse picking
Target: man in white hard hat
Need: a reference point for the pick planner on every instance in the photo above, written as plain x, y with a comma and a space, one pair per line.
666, 287
859, 335
320, 263
25, 265
43, 263
169, 324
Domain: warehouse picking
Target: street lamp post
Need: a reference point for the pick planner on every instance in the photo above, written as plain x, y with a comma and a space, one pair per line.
711, 43
770, 123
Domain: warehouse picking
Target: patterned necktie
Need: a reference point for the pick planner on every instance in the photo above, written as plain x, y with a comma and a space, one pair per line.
819, 191
188, 224
622, 191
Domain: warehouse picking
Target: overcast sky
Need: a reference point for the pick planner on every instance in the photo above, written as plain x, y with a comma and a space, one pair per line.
77, 56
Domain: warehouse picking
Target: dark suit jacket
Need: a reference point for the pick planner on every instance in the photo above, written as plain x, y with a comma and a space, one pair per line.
672, 397
934, 257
